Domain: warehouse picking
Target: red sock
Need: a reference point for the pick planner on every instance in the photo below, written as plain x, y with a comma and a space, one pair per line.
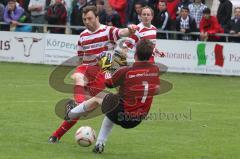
64, 127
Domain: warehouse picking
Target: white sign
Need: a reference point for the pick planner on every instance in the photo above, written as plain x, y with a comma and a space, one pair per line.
200, 57
59, 48
180, 56
21, 47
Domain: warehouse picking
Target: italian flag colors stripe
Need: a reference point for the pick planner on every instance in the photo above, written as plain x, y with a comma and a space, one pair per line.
219, 59
218, 51
202, 59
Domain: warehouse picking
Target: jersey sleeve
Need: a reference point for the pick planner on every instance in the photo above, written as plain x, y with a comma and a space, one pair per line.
134, 39
132, 42
114, 34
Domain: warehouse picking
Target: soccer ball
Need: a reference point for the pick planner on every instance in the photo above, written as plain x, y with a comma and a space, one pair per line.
85, 136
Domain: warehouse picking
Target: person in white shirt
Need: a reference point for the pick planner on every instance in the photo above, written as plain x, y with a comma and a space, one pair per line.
196, 11
37, 10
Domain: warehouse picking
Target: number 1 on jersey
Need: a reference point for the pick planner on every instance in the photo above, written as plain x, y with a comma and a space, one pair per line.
145, 93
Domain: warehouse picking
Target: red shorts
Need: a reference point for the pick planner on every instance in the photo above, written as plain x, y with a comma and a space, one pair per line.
95, 77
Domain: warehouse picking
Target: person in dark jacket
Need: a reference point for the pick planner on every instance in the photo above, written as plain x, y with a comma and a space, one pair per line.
224, 12
181, 4
185, 24
57, 15
135, 16
161, 19
112, 18
153, 3
76, 16
234, 26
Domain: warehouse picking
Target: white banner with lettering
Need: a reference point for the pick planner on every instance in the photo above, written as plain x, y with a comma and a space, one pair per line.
59, 48
180, 56
200, 57
21, 47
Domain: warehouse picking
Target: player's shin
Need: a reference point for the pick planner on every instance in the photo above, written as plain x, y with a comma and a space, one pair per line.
105, 130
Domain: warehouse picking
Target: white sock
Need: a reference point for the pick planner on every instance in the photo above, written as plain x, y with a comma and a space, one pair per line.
77, 111
105, 130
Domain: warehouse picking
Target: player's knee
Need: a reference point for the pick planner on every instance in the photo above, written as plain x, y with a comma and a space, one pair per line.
79, 79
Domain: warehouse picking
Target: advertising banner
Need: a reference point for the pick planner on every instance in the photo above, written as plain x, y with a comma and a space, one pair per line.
21, 47
180, 56
200, 57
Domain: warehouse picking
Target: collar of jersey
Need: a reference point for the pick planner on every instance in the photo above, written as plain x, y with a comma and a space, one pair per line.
101, 26
141, 26
141, 63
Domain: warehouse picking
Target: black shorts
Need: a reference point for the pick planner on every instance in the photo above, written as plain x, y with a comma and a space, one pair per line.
119, 117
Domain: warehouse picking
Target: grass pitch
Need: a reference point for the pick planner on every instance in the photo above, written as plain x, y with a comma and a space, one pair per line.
198, 119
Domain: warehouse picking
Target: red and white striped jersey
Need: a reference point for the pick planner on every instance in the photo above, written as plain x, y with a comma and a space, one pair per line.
92, 44
143, 32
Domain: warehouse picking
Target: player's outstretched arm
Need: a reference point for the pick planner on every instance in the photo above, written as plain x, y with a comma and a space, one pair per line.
128, 31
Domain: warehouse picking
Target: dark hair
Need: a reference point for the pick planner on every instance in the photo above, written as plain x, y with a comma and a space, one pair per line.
144, 49
185, 8
140, 2
236, 8
90, 8
206, 11
162, 1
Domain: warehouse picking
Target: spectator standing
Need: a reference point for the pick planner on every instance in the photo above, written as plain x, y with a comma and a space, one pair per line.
162, 19
196, 11
224, 12
56, 15
135, 18
76, 16
37, 10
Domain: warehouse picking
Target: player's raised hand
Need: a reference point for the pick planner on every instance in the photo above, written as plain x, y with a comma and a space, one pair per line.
132, 28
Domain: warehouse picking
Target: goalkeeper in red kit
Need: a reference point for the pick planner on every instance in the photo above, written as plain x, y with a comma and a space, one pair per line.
137, 86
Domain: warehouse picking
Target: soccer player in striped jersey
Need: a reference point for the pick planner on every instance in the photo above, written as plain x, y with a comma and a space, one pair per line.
145, 30
89, 78
137, 86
